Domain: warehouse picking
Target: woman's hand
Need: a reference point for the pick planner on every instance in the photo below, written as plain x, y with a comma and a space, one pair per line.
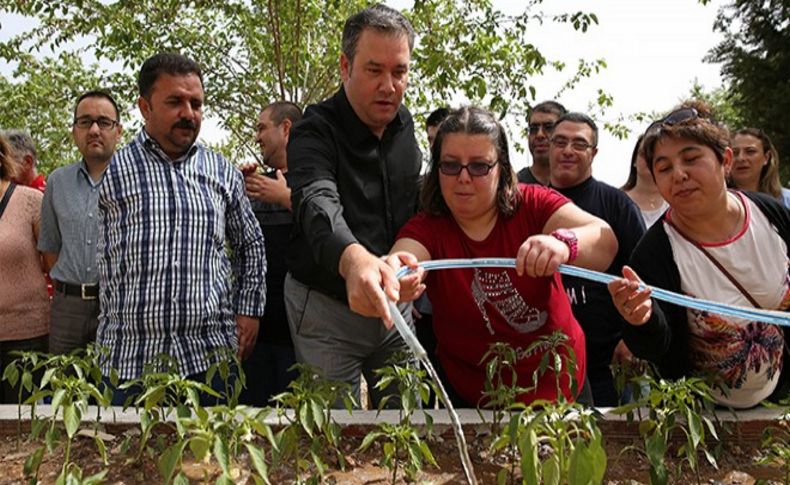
634, 304
541, 255
411, 286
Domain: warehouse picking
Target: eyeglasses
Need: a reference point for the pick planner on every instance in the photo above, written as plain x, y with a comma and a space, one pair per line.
86, 123
548, 127
674, 118
475, 169
577, 145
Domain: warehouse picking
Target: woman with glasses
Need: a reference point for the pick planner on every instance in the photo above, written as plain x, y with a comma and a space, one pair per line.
641, 187
755, 164
474, 208
715, 244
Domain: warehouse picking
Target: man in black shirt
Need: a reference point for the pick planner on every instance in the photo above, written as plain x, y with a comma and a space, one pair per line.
267, 367
541, 122
354, 166
572, 149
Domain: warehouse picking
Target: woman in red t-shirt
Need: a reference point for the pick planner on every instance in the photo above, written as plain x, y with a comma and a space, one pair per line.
473, 207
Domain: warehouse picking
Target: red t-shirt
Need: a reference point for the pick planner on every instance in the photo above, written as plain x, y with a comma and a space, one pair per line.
473, 308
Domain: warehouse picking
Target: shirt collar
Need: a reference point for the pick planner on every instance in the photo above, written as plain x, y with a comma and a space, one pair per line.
84, 170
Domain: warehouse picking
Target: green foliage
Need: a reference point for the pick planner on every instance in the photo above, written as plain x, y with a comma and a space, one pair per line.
682, 405
551, 442
311, 398
722, 101
776, 443
255, 52
755, 61
403, 446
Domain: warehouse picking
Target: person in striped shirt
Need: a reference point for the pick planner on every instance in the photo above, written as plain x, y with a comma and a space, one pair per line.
181, 257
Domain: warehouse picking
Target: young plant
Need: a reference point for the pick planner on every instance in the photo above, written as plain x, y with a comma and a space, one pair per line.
220, 432
163, 391
21, 371
73, 383
776, 442
403, 446
674, 405
553, 442
311, 397
225, 362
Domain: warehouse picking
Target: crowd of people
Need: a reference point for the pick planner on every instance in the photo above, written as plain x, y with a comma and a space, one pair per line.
165, 247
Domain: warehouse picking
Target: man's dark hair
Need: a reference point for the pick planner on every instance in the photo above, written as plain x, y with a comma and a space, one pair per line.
574, 117
437, 116
280, 110
472, 121
98, 93
380, 18
167, 63
552, 107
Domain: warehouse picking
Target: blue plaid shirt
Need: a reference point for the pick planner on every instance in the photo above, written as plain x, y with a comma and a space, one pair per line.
167, 284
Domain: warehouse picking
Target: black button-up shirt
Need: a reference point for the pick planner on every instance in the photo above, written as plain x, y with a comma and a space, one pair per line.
347, 186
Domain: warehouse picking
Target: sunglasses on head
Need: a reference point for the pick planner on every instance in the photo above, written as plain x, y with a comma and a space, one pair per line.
475, 169
678, 116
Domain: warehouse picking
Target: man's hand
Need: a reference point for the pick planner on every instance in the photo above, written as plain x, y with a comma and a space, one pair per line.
267, 189
622, 355
370, 283
247, 332
411, 286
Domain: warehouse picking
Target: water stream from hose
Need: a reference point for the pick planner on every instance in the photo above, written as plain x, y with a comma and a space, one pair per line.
419, 352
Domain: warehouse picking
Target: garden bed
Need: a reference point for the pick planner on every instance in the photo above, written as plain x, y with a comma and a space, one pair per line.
738, 450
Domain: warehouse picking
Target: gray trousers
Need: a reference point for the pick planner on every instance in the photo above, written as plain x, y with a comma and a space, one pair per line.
74, 323
342, 344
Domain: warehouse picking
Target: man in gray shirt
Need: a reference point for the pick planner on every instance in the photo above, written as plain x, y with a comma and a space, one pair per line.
69, 224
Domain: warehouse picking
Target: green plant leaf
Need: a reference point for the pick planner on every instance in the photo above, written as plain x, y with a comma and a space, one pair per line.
11, 374
102, 448
221, 454
71, 419
258, 460
94, 479
170, 460
199, 447
180, 479
580, 467
33, 462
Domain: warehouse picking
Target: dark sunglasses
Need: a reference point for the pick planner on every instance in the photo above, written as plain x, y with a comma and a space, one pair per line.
475, 169
679, 116
548, 127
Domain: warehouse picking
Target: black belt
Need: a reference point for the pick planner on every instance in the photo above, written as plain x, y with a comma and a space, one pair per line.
86, 292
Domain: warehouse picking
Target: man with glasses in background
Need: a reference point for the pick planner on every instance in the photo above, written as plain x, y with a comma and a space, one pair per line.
572, 148
69, 224
541, 123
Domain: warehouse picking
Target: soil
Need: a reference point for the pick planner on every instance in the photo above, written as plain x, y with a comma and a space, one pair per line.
737, 460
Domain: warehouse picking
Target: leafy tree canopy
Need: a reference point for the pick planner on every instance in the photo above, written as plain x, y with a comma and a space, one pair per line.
257, 51
755, 58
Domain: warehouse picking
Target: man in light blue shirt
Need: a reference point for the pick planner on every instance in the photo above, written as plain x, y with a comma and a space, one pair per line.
69, 224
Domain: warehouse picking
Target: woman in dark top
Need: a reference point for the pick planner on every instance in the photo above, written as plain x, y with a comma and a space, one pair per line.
715, 244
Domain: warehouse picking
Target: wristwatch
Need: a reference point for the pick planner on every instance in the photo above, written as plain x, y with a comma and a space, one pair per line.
569, 238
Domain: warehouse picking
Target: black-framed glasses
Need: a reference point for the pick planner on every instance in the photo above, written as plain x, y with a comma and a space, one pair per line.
578, 145
675, 117
86, 122
475, 169
548, 127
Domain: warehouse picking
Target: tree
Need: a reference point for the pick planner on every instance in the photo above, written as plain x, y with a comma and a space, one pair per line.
256, 51
756, 64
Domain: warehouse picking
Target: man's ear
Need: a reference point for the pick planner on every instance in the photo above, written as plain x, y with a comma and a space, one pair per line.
145, 107
286, 127
594, 153
345, 67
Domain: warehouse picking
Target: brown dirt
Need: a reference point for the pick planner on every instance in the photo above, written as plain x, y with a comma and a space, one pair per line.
737, 453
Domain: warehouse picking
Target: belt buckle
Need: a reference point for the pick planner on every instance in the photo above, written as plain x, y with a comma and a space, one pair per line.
83, 295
